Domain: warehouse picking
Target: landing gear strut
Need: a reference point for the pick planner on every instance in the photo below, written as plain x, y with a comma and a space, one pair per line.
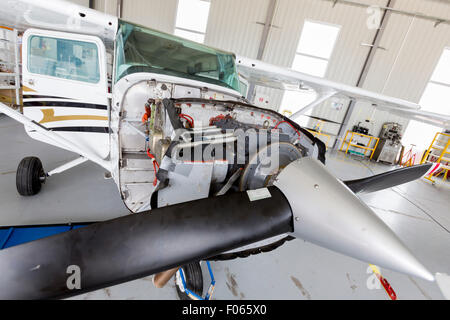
30, 176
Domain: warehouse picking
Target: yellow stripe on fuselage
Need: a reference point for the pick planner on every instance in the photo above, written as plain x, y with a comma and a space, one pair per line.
49, 116
26, 89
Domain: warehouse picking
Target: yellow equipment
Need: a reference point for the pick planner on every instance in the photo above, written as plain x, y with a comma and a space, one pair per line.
318, 133
438, 153
365, 147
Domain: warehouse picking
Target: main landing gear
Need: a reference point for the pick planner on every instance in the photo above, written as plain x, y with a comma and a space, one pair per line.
31, 175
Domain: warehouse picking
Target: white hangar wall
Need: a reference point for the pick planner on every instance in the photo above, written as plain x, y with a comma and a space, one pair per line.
413, 49
81, 2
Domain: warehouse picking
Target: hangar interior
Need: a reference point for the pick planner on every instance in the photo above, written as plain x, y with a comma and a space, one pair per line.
399, 48
401, 52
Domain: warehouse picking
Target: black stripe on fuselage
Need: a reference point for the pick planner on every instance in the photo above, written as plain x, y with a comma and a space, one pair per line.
40, 125
81, 129
64, 104
38, 96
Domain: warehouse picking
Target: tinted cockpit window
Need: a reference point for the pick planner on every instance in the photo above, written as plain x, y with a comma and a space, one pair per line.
63, 58
143, 50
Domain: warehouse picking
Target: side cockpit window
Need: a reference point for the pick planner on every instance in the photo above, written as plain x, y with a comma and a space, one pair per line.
63, 58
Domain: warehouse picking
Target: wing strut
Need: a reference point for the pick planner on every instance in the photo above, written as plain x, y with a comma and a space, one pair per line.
324, 97
58, 139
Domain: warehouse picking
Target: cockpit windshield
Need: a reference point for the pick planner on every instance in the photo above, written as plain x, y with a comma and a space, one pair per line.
144, 50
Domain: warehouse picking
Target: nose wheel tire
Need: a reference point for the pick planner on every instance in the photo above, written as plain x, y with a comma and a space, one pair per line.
30, 176
193, 276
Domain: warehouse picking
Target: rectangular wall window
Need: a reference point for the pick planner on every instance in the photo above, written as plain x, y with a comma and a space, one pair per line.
435, 99
192, 19
313, 53
315, 48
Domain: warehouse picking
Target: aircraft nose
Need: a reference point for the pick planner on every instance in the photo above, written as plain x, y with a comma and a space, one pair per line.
329, 214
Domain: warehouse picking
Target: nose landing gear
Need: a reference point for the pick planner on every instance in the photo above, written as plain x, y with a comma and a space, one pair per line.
189, 282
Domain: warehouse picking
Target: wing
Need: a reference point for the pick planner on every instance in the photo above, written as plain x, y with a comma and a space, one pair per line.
58, 15
268, 75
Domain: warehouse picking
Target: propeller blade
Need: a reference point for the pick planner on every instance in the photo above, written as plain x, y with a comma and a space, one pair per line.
329, 214
140, 245
388, 179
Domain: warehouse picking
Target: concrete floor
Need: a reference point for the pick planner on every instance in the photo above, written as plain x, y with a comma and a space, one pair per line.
418, 212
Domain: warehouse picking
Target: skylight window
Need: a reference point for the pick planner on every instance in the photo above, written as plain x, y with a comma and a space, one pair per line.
434, 99
314, 51
192, 19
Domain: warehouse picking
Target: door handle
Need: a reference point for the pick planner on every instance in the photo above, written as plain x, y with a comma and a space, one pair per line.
31, 82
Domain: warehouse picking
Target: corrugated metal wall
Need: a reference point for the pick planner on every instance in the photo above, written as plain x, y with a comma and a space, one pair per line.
81, 2
413, 49
236, 25
413, 45
156, 14
348, 58
106, 6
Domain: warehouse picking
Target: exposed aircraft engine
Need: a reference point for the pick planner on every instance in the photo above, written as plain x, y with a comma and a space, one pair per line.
182, 149
200, 147
226, 156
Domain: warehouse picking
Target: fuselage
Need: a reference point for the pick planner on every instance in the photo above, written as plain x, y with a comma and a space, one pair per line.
91, 77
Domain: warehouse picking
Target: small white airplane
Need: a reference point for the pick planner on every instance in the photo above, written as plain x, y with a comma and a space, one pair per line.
165, 117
